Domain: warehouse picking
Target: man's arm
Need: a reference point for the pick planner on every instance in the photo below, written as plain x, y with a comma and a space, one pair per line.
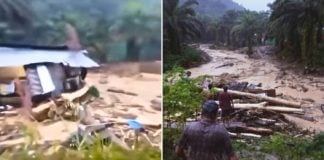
180, 152
234, 157
182, 145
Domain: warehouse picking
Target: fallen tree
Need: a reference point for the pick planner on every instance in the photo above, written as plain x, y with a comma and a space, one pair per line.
264, 107
246, 129
272, 100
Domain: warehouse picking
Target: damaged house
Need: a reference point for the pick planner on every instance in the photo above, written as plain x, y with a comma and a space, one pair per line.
30, 74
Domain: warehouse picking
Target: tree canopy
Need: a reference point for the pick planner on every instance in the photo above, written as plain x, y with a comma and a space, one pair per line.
105, 28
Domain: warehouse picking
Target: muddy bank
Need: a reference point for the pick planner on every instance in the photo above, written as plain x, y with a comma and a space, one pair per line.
273, 74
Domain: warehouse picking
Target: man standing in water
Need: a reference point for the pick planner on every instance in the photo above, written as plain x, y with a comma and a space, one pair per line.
206, 139
226, 104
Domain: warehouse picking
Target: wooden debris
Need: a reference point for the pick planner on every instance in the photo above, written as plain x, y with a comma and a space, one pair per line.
270, 108
9, 113
40, 112
122, 92
15, 101
246, 129
265, 122
265, 98
244, 135
225, 65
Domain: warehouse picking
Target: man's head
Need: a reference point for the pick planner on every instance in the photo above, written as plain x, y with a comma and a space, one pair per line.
188, 73
210, 110
225, 88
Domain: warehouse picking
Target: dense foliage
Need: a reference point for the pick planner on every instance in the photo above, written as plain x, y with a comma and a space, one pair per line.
190, 58
110, 30
179, 24
181, 97
297, 27
239, 29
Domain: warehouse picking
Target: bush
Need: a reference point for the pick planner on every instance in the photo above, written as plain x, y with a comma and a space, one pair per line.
287, 147
181, 99
171, 137
190, 57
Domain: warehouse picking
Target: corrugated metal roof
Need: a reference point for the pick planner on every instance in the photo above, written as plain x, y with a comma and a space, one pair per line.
18, 57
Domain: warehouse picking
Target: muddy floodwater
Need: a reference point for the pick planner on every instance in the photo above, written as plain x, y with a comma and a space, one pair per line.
289, 83
142, 80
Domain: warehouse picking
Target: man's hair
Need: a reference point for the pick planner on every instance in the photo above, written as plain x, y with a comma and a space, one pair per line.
225, 88
210, 109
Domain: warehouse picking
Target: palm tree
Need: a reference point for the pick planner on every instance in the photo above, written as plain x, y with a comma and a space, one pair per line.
246, 29
227, 22
179, 24
15, 12
297, 26
15, 19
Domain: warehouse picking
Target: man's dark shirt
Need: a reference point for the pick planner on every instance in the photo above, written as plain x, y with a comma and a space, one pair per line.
225, 100
206, 140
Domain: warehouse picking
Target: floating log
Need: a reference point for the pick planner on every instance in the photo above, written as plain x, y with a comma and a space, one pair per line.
265, 98
122, 92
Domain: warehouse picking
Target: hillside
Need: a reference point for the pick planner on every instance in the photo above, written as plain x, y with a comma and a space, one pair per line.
216, 8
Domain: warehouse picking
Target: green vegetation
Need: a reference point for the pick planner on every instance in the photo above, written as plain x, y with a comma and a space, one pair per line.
296, 26
100, 150
109, 30
180, 25
191, 57
181, 97
237, 29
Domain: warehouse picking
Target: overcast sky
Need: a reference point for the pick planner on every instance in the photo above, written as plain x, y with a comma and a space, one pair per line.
255, 5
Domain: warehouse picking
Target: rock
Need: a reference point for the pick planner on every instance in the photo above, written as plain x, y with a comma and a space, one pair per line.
156, 104
103, 81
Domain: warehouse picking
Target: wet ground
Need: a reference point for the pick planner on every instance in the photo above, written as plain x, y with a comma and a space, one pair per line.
290, 83
143, 80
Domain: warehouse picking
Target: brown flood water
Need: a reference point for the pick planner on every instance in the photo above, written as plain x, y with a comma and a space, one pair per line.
268, 71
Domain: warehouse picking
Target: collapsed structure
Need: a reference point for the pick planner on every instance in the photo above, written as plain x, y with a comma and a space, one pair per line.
31, 74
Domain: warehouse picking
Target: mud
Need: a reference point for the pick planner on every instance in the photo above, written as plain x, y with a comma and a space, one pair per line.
130, 77
289, 82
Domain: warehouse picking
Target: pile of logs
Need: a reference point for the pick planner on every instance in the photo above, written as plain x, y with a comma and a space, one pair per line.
262, 118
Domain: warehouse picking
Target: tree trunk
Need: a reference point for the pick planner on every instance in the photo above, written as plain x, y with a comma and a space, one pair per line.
271, 108
246, 129
264, 98
250, 49
133, 49
319, 33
